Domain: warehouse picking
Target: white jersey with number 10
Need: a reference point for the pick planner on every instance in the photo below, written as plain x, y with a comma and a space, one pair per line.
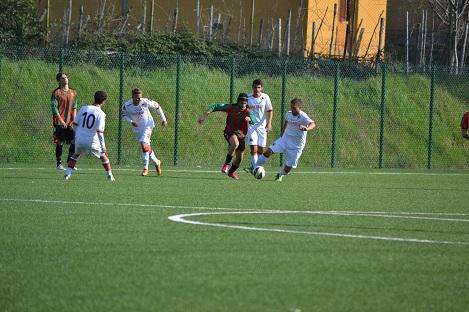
90, 120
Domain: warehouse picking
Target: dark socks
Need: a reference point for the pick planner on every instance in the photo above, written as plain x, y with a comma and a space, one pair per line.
58, 153
233, 168
228, 159
71, 151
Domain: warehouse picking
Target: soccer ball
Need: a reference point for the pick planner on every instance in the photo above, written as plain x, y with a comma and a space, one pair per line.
259, 172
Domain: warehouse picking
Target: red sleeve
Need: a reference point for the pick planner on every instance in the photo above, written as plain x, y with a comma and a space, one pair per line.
465, 121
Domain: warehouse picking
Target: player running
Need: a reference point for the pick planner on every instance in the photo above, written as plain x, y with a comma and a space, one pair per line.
291, 143
237, 119
63, 106
261, 110
137, 113
89, 139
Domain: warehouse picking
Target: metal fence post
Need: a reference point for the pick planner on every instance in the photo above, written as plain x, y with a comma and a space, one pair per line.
283, 98
61, 60
1, 57
232, 77
121, 100
382, 111
176, 114
430, 118
334, 115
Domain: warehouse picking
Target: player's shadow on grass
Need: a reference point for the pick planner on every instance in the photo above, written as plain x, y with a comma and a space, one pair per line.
321, 226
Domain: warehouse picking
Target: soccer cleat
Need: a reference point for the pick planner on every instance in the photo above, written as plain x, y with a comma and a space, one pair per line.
144, 173
233, 175
158, 167
60, 167
111, 178
279, 177
225, 168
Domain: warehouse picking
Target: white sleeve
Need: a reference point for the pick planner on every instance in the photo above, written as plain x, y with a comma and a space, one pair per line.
78, 117
268, 103
101, 140
307, 119
160, 112
101, 123
100, 130
125, 114
152, 104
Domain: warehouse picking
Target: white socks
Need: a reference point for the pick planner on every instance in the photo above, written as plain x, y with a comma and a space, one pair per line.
254, 159
146, 159
262, 159
153, 158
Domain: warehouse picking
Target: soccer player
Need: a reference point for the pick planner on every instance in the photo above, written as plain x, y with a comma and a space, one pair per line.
63, 106
291, 143
137, 113
465, 125
89, 138
260, 107
237, 119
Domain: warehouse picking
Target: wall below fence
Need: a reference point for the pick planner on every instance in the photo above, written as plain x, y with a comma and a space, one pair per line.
367, 117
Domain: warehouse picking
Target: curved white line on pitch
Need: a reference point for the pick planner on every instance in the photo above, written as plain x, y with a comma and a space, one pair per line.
182, 219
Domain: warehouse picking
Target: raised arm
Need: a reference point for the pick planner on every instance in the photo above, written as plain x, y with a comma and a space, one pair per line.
212, 108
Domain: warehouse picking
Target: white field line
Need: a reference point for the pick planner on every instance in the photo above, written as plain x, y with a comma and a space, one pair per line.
181, 218
466, 173
382, 214
44, 201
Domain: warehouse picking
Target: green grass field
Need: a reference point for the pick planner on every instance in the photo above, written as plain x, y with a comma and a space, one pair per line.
318, 241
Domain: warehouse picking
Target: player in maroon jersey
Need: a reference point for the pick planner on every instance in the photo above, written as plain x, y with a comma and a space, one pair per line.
63, 107
237, 119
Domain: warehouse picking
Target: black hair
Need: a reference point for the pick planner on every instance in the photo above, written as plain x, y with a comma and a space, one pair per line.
257, 82
100, 97
296, 101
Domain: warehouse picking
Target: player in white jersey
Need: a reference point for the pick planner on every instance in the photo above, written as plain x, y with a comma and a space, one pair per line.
293, 140
89, 135
260, 108
137, 113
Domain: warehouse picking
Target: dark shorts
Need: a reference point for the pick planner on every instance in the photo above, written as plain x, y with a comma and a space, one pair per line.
242, 143
63, 135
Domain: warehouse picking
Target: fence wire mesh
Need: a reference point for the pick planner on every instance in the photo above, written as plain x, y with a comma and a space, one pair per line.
367, 116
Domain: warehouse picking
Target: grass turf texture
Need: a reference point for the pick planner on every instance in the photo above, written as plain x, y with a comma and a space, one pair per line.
25, 120
125, 255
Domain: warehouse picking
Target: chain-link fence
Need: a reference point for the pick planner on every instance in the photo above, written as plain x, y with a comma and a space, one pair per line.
367, 116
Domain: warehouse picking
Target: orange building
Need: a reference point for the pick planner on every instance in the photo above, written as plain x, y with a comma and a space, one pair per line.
232, 20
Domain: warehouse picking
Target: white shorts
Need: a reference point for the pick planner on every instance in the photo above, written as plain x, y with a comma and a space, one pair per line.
257, 136
87, 148
143, 135
291, 151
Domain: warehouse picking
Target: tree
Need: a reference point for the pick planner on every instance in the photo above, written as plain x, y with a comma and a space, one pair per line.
18, 22
452, 13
